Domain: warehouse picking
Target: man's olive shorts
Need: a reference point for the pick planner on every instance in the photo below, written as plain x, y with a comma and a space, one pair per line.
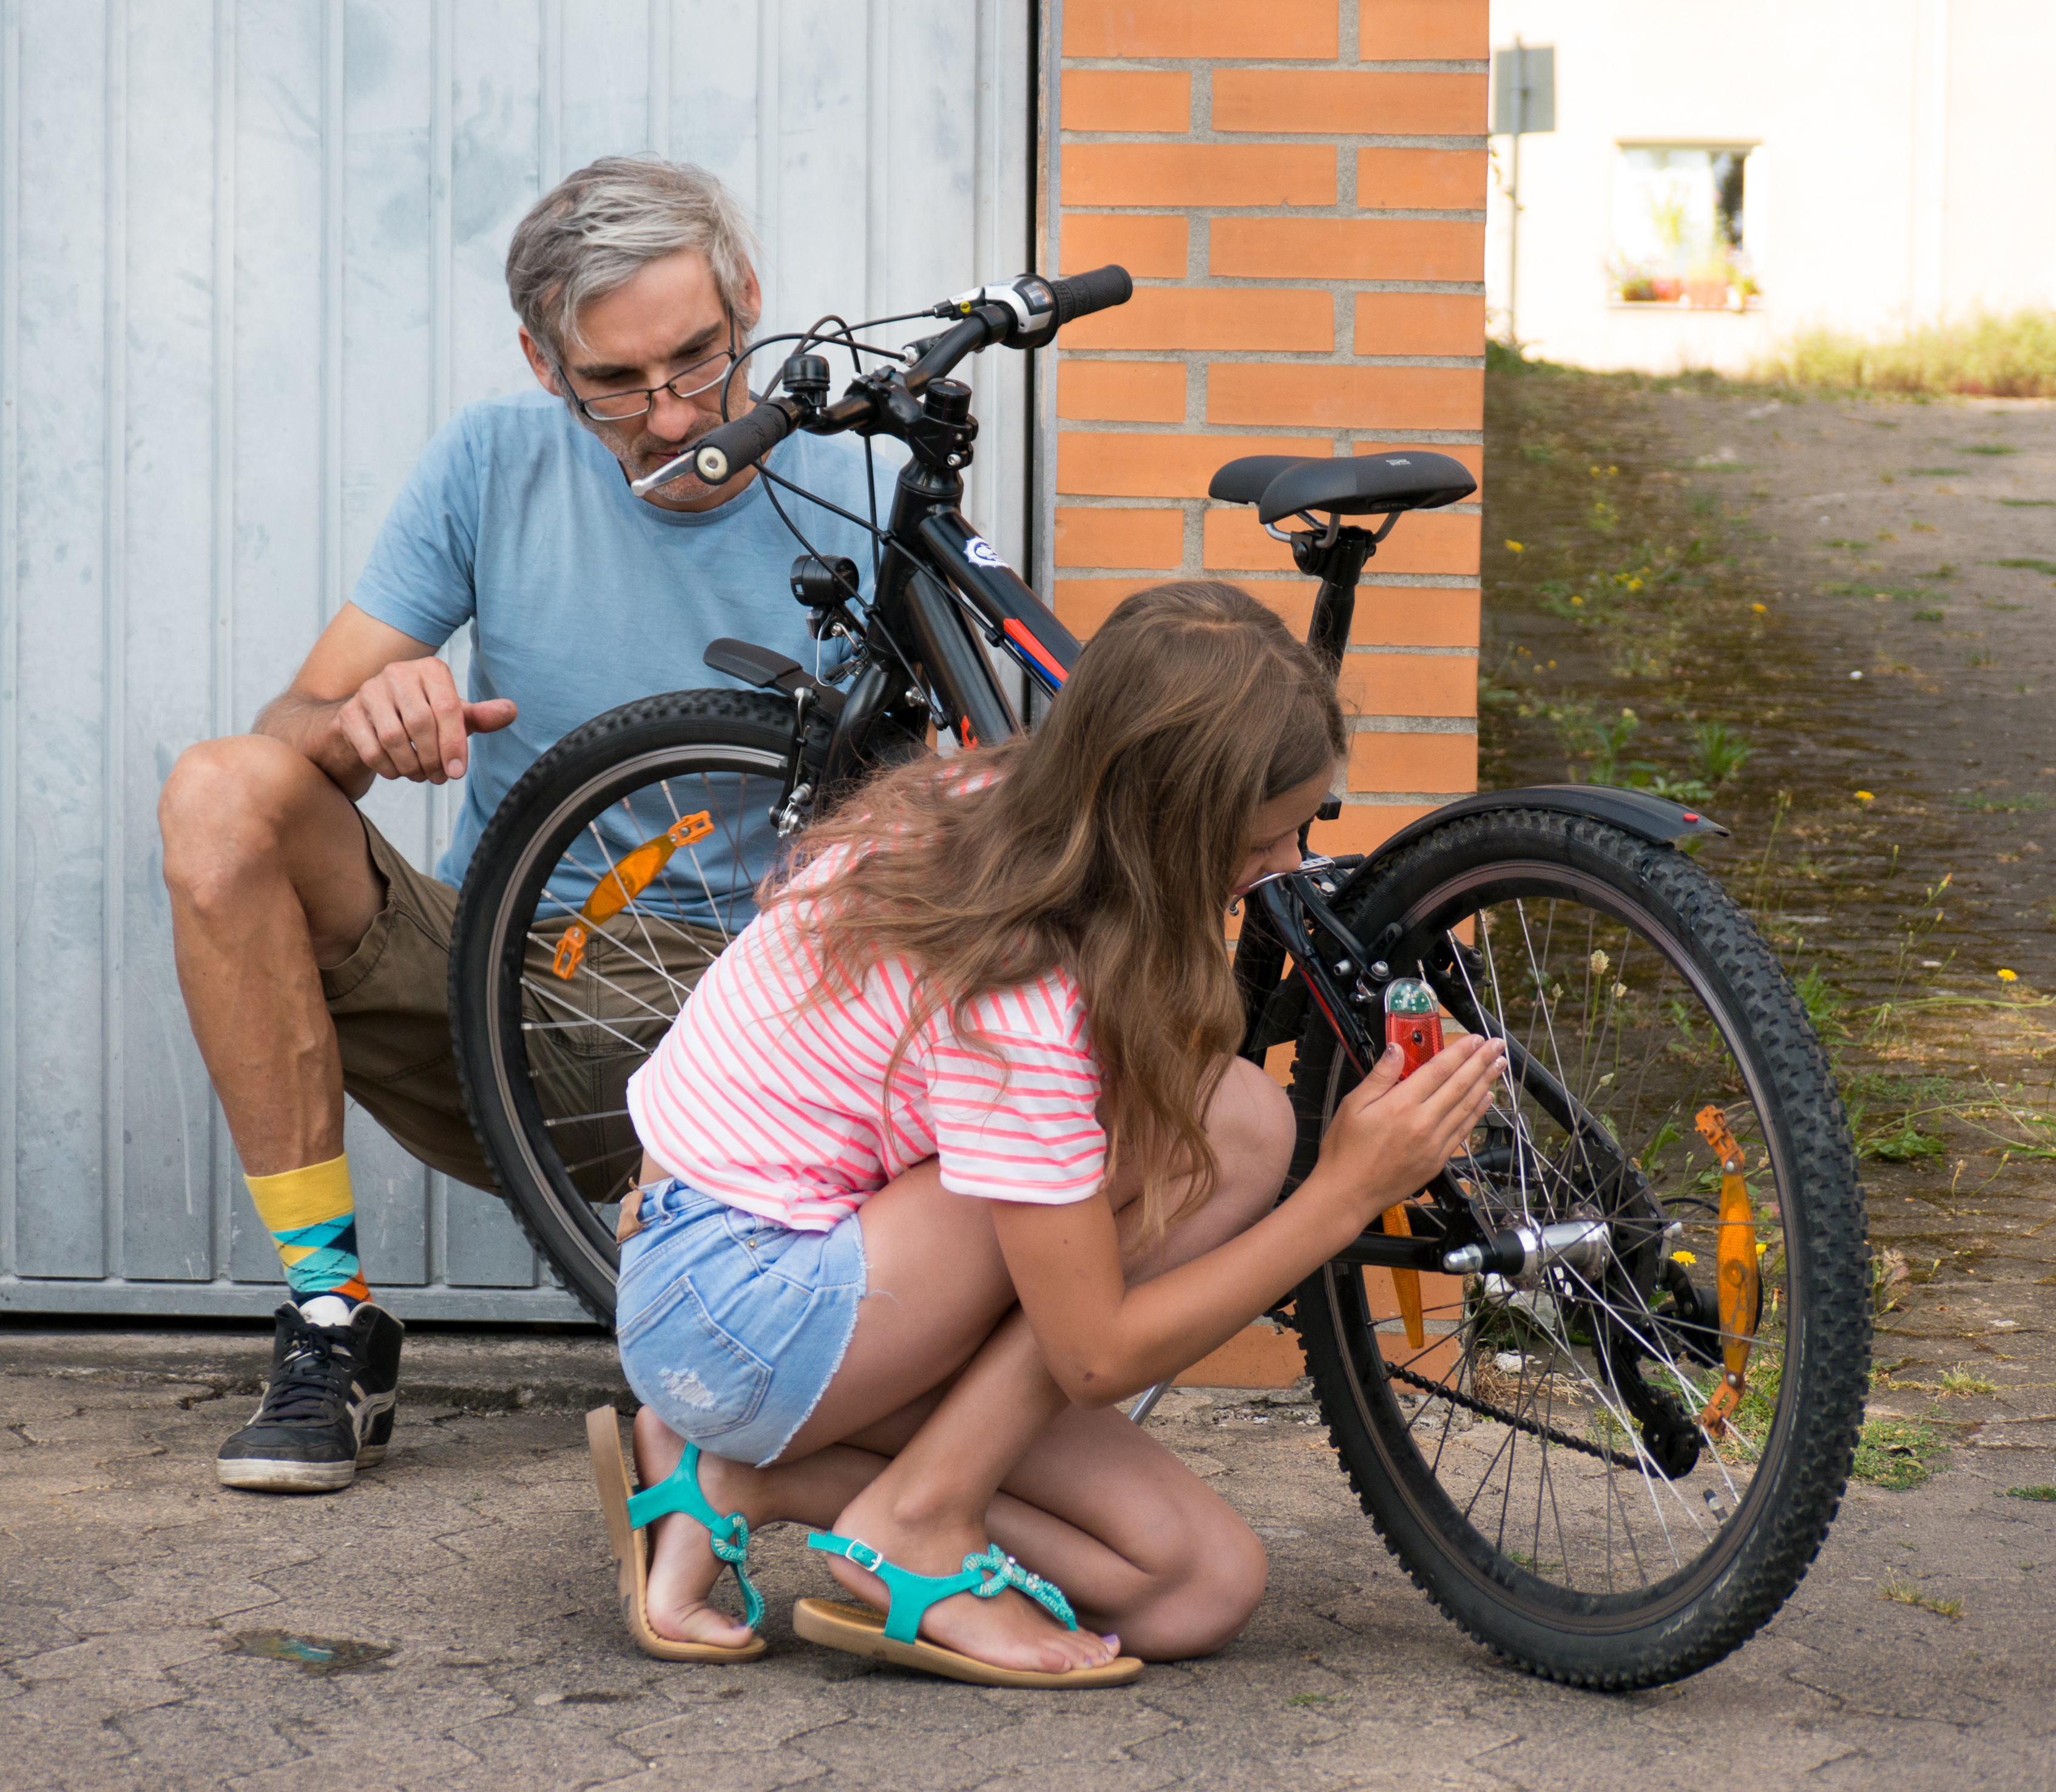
390, 1003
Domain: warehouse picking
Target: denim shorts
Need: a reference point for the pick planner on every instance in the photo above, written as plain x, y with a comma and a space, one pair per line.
730, 1326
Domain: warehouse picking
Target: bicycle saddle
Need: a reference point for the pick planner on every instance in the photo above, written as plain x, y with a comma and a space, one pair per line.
1280, 484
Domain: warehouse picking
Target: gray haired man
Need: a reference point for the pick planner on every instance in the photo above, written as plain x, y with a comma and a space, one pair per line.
313, 957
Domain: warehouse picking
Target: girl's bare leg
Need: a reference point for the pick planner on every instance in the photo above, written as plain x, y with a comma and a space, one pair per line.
1141, 1544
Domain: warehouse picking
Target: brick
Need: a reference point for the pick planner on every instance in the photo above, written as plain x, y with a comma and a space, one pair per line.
1082, 604
1414, 323
1469, 454
1101, 538
1121, 391
1420, 180
1260, 318
1347, 249
1430, 541
1414, 616
1257, 1356
1125, 100
1199, 174
1407, 684
1445, 765
1347, 102
1280, 31
1363, 827
1150, 248
1422, 30
1109, 463
1328, 397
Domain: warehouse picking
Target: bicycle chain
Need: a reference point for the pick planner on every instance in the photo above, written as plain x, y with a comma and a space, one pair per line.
1534, 1427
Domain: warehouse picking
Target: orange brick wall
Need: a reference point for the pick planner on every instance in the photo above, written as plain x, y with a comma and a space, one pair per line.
1297, 188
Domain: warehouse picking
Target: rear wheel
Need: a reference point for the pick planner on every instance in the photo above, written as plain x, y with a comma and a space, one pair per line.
1534, 1448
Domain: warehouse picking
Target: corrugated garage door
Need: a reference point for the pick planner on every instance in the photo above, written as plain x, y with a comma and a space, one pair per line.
249, 261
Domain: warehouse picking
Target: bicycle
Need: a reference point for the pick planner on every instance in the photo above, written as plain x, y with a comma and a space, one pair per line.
1598, 1386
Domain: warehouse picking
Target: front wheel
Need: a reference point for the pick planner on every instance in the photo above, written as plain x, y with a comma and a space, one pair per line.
552, 1014
1536, 1448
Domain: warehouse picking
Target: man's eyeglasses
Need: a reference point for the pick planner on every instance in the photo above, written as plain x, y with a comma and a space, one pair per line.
618, 407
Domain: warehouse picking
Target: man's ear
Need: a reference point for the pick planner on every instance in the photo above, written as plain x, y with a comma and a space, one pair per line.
752, 296
546, 375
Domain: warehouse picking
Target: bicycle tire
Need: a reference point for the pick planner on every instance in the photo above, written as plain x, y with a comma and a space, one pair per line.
1549, 1609
565, 1206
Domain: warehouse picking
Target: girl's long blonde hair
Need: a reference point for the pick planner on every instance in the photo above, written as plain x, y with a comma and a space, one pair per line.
1105, 843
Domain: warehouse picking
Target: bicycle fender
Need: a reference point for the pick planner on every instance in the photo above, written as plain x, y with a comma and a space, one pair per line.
1655, 819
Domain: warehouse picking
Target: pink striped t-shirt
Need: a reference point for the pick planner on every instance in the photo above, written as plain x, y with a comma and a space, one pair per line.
778, 1112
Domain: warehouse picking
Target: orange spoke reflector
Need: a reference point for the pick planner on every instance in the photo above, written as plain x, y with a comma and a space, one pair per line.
1740, 1286
1406, 1282
623, 884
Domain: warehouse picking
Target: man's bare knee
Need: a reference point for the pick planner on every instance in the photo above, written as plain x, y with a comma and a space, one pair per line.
226, 812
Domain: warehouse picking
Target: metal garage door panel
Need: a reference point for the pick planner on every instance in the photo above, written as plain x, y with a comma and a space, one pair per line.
250, 260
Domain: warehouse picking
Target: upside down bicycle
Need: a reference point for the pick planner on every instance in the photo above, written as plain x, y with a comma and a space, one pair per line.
1598, 1386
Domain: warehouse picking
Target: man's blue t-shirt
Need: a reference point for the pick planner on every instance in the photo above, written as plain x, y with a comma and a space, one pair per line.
581, 597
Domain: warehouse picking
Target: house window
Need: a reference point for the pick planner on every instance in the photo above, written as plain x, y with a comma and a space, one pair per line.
1680, 234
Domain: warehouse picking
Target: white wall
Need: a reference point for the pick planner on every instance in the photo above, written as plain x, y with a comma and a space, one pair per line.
1906, 171
250, 260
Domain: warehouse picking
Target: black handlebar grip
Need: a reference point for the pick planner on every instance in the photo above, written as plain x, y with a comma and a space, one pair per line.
1083, 294
724, 452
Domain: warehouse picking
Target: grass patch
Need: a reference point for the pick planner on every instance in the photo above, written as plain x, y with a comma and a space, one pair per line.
1897, 1453
1901, 1593
1964, 1379
2028, 565
2045, 1495
2002, 356
1938, 473
2026, 803
1929, 616
2029, 504
1985, 448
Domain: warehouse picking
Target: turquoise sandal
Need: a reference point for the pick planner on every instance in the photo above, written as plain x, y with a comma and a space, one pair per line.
894, 1635
628, 1516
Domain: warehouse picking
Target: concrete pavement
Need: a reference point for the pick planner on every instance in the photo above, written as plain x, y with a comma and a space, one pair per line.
156, 1631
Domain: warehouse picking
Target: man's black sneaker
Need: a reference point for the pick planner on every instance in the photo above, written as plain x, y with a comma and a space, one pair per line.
328, 1410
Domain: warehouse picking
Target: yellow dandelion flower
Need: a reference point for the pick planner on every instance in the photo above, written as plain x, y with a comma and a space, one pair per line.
1577, 603
1515, 548
1865, 797
1685, 1257
1761, 609
2009, 976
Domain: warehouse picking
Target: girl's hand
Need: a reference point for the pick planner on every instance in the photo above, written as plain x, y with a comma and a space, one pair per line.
1390, 1138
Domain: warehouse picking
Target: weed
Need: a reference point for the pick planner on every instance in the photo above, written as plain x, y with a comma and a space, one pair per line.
1929, 615
1987, 447
1888, 1273
1964, 1379
1897, 1453
1900, 1593
1944, 571
2028, 565
2029, 504
1843, 541
1306, 1698
1906, 1144
2047, 1495
1825, 1006
1721, 752
1937, 473
1981, 656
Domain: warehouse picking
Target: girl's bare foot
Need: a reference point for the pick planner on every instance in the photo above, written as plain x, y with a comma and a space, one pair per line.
1011, 1631
683, 1567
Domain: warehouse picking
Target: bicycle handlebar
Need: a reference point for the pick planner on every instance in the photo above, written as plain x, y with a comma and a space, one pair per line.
1083, 294
725, 451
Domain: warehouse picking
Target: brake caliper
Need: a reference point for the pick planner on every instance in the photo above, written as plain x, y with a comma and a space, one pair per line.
1739, 1288
622, 884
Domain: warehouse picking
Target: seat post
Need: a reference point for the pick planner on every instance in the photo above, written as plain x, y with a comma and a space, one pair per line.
1338, 565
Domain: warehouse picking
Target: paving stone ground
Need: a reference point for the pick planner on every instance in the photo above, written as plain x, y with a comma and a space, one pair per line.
472, 1570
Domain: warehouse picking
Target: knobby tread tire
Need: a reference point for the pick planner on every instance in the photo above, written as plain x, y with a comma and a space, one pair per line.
1832, 1328
679, 718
